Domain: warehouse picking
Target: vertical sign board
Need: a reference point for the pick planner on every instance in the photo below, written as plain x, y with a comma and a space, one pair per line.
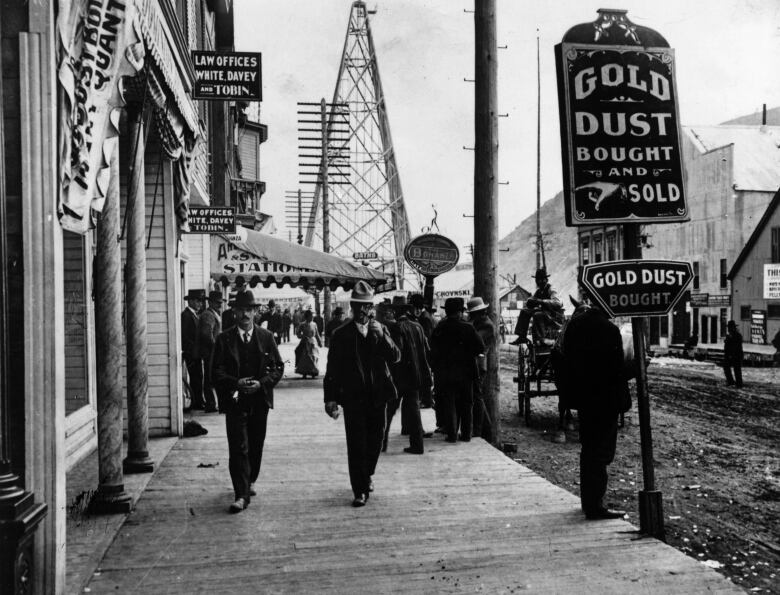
620, 129
758, 327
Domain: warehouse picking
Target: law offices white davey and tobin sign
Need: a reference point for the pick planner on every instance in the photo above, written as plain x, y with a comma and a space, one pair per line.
227, 75
212, 219
620, 131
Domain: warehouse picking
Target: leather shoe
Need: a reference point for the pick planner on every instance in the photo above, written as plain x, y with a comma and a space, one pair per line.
239, 505
413, 451
427, 434
360, 500
370, 485
605, 513
252, 491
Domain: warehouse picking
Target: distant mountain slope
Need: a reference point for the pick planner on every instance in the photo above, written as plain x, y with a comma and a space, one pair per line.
560, 251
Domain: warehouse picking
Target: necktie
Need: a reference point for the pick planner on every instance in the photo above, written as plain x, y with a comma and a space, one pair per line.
246, 337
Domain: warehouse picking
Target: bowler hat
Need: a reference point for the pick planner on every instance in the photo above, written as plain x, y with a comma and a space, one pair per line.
541, 274
244, 299
453, 304
362, 293
417, 300
338, 310
215, 296
476, 304
196, 294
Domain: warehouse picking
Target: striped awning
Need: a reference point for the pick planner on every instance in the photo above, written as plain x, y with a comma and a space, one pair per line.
262, 259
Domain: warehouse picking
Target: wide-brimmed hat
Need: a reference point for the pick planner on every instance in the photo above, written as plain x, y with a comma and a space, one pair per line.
362, 293
216, 296
476, 304
244, 299
416, 299
454, 304
541, 274
196, 294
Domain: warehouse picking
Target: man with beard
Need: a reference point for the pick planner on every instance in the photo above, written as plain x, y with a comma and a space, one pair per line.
246, 367
358, 378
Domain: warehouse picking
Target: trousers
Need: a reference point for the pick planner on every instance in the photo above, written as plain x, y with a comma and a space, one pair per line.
246, 426
598, 437
364, 423
411, 422
457, 409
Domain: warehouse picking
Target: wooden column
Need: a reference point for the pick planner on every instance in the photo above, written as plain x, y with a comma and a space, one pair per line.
137, 460
325, 204
486, 187
110, 497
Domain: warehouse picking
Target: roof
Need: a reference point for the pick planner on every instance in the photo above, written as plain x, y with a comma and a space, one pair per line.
756, 152
268, 260
748, 247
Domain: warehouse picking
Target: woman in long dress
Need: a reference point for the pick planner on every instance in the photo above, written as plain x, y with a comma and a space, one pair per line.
307, 352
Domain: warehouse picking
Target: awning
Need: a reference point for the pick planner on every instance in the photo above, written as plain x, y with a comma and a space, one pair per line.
262, 259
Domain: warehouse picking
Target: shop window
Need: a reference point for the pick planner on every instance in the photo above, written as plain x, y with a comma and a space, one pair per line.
724, 316
696, 275
585, 252
744, 312
664, 326
776, 244
773, 311
724, 282
611, 244
597, 249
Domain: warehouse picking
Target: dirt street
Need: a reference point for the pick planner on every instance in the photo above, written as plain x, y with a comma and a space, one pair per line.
717, 462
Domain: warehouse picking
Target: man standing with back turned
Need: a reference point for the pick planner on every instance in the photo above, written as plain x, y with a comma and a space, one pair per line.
246, 367
358, 378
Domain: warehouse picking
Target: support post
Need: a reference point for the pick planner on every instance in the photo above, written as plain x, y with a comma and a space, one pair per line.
137, 460
300, 219
325, 205
428, 292
651, 517
111, 496
486, 187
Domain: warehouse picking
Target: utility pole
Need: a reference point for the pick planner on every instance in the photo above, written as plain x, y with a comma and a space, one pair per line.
485, 257
540, 260
325, 205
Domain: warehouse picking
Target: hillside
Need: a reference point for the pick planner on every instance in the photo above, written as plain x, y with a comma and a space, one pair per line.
560, 250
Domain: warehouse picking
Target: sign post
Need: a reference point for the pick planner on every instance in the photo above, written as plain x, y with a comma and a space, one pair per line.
622, 161
431, 255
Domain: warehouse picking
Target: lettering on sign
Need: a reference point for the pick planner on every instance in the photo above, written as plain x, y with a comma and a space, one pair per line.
772, 281
637, 287
431, 254
620, 134
227, 75
212, 220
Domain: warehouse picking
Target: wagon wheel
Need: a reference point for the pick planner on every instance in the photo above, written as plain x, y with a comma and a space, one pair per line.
521, 383
530, 371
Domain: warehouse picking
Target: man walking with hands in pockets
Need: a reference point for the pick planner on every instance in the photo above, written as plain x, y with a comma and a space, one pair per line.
358, 378
246, 367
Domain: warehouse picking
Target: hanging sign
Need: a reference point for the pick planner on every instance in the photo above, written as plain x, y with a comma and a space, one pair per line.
227, 75
620, 129
431, 254
637, 287
212, 220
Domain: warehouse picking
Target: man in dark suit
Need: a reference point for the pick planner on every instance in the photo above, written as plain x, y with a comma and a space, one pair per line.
455, 346
246, 367
209, 327
358, 378
594, 371
190, 317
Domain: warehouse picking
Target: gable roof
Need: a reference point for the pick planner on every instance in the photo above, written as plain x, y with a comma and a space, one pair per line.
748, 247
756, 152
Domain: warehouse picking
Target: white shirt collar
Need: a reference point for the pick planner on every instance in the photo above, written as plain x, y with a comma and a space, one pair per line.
242, 332
362, 328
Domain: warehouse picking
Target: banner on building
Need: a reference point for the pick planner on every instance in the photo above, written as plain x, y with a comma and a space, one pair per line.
97, 45
772, 281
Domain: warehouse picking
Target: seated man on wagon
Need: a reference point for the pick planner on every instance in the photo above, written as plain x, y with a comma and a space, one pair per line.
544, 309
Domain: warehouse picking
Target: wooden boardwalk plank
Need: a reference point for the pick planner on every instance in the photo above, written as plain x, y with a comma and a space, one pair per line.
461, 518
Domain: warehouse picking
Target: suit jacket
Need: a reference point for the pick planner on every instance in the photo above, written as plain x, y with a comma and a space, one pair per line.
455, 344
225, 366
209, 327
346, 381
412, 372
189, 334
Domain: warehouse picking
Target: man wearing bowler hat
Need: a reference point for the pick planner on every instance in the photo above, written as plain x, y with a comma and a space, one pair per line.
358, 378
544, 309
190, 317
209, 326
455, 346
246, 367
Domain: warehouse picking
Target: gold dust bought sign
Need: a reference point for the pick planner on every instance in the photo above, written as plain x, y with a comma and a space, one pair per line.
227, 75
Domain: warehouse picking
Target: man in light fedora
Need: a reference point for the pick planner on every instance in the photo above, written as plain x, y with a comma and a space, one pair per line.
358, 378
479, 318
543, 308
246, 367
209, 327
190, 317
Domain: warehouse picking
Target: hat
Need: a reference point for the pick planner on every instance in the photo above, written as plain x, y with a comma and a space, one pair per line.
541, 274
476, 304
215, 296
338, 310
416, 299
244, 299
196, 294
453, 304
362, 293
400, 303
271, 304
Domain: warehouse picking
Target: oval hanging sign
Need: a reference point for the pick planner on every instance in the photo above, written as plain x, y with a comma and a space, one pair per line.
431, 254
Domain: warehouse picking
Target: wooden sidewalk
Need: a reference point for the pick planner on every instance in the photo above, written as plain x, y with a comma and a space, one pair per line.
461, 518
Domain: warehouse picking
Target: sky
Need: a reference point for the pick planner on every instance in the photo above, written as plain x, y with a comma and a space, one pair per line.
726, 55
